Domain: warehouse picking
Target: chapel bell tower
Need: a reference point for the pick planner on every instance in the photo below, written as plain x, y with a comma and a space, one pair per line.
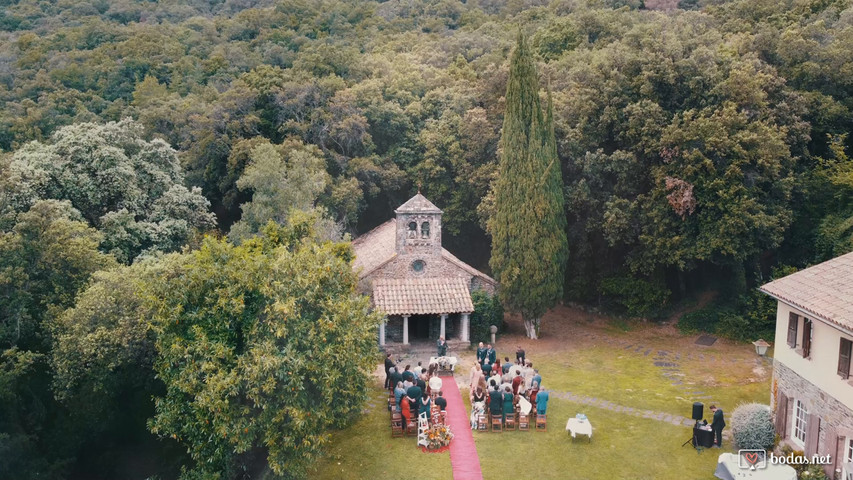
418, 228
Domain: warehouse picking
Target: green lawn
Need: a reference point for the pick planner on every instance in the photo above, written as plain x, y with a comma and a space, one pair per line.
624, 446
633, 381
366, 451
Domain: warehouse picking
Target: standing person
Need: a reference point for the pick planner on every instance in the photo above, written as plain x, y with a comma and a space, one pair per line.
508, 400
505, 366
389, 364
517, 381
519, 355
717, 425
399, 394
541, 401
496, 368
424, 404
396, 375
414, 394
496, 403
406, 411
419, 370
481, 354
476, 374
441, 347
408, 374
536, 377
441, 401
492, 354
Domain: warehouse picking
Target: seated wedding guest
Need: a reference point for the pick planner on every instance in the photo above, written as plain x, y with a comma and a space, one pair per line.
399, 393
519, 355
536, 377
407, 383
420, 382
506, 377
482, 385
496, 368
441, 401
487, 367
424, 404
495, 403
505, 384
541, 401
476, 375
508, 401
505, 366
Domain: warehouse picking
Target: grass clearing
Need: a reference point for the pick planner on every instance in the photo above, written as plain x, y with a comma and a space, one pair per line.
366, 451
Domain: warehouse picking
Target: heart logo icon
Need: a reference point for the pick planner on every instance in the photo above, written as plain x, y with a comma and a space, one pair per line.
751, 457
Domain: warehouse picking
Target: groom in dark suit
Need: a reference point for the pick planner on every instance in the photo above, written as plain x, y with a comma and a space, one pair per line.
717, 425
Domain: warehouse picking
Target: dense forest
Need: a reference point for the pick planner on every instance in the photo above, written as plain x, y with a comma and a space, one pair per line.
151, 150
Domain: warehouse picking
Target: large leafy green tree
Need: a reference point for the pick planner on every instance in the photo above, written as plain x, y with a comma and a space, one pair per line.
129, 188
529, 247
261, 348
281, 178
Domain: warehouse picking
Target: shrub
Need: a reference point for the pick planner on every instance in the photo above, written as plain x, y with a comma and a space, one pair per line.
701, 320
487, 311
752, 426
639, 297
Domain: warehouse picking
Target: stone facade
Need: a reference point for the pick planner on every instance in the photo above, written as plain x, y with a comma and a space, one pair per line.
394, 261
835, 420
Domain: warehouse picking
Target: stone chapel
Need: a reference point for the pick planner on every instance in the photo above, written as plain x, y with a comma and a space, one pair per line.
423, 290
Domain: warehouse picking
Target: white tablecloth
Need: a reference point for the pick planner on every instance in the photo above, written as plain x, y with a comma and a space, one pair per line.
579, 427
451, 361
728, 469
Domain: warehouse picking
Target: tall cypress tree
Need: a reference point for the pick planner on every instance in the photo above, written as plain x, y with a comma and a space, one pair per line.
529, 247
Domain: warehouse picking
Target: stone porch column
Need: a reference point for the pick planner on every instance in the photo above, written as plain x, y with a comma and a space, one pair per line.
382, 331
405, 329
443, 323
464, 329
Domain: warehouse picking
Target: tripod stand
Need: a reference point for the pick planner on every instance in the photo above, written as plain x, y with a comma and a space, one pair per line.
693, 439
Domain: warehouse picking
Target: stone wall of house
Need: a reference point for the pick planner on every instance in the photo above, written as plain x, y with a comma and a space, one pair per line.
833, 414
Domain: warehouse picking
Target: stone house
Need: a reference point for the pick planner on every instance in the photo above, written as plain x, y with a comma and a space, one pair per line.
812, 393
424, 290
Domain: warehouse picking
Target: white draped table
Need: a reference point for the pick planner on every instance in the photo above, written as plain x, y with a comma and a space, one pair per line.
576, 426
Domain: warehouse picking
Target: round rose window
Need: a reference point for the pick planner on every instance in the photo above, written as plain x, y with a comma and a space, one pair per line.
418, 266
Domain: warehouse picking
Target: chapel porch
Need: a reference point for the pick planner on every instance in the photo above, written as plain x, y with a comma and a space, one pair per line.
422, 310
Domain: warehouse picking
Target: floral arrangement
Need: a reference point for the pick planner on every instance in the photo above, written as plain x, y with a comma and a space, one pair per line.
444, 363
438, 436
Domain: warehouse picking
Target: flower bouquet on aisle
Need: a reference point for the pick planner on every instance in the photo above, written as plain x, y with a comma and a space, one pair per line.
438, 438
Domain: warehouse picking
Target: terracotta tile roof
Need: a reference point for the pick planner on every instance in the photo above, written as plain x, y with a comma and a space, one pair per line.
824, 290
375, 247
417, 204
414, 296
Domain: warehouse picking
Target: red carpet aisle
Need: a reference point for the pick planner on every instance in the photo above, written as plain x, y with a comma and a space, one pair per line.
463, 452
